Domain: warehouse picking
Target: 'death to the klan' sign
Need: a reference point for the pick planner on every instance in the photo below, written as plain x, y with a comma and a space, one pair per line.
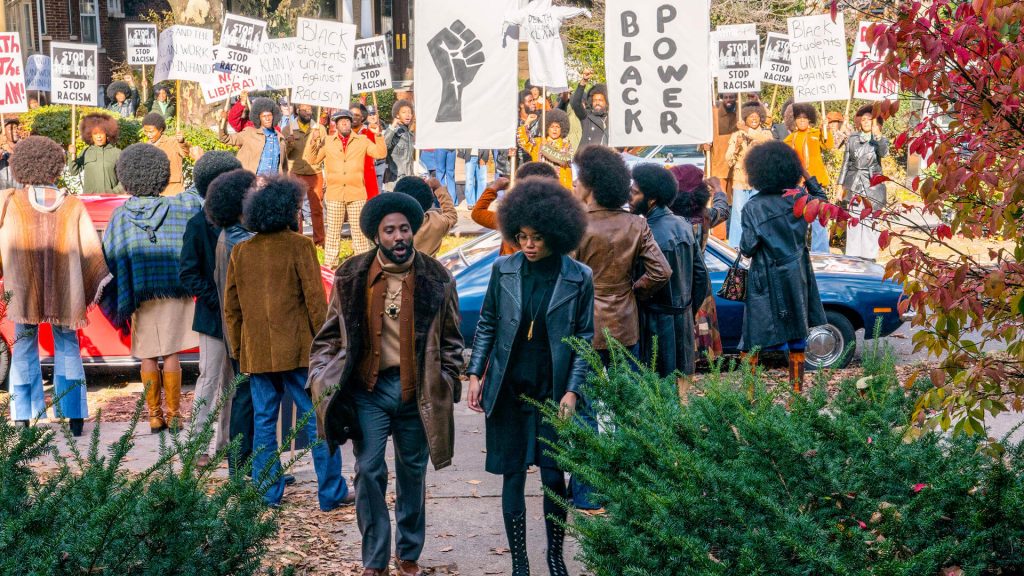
37, 73
739, 65
372, 71
659, 77
12, 74
775, 62
323, 62
141, 43
869, 84
73, 73
185, 54
817, 46
277, 64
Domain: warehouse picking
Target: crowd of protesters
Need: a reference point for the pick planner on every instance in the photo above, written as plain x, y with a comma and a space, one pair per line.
591, 249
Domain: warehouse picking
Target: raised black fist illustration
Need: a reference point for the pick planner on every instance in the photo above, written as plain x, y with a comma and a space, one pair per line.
458, 56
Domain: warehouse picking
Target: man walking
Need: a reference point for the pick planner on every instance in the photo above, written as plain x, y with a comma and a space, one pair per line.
392, 342
299, 141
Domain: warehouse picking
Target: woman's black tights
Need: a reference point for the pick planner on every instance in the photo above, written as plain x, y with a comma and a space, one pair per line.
513, 505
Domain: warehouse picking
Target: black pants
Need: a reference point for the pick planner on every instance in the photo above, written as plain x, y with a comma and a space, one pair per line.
242, 420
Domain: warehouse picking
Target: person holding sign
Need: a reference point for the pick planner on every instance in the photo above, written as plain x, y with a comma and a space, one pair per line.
123, 96
554, 147
750, 133
260, 147
153, 127
809, 143
98, 161
862, 160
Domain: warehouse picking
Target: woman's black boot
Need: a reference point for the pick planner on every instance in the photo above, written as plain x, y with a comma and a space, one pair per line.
77, 424
515, 529
556, 541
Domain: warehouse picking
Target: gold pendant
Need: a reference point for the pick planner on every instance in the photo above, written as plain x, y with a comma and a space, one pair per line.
529, 333
392, 311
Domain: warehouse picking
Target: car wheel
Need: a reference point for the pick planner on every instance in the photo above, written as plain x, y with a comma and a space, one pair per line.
5, 362
827, 345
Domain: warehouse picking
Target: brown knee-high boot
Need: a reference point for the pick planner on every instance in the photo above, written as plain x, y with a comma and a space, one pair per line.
796, 370
151, 382
172, 390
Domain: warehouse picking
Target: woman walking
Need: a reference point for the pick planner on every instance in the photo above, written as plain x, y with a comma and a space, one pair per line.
142, 245
52, 263
535, 299
750, 134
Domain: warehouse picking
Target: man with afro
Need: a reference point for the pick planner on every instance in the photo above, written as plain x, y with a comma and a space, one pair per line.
668, 315
436, 223
594, 114
154, 127
809, 143
390, 347
261, 149
197, 274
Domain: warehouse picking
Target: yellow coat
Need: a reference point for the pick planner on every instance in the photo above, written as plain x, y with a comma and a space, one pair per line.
808, 145
557, 153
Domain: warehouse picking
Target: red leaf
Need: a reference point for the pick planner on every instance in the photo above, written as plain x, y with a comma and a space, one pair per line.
900, 140
811, 210
883, 239
798, 206
834, 9
918, 487
879, 178
943, 231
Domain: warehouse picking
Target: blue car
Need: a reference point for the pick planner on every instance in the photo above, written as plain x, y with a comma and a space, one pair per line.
852, 290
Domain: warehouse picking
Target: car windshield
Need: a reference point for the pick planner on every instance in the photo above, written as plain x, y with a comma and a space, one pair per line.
681, 151
471, 252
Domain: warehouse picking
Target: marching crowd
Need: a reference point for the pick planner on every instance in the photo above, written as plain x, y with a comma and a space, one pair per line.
224, 266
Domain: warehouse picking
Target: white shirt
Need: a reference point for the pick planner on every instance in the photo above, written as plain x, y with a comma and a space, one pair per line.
541, 22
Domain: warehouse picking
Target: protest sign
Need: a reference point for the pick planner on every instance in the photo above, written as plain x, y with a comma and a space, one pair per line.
323, 63
277, 64
727, 32
185, 53
539, 24
465, 78
220, 84
73, 73
240, 39
659, 77
141, 43
775, 63
12, 74
868, 84
739, 65
817, 46
37, 73
372, 71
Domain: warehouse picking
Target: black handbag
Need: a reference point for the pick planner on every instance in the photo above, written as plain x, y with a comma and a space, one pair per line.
735, 285
342, 421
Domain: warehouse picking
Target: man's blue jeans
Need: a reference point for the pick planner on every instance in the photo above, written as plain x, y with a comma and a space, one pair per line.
476, 180
27, 378
819, 238
267, 389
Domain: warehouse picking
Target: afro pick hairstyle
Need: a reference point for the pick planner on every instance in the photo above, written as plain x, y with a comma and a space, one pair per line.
603, 171
655, 183
225, 197
417, 188
598, 89
156, 120
143, 170
211, 165
37, 160
559, 117
261, 105
865, 109
273, 205
773, 167
398, 105
533, 168
547, 207
120, 86
383, 204
692, 192
99, 121
807, 110
752, 108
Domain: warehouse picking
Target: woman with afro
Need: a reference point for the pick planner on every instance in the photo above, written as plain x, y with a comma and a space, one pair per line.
53, 266
809, 142
123, 97
536, 298
142, 245
554, 147
98, 162
751, 132
782, 302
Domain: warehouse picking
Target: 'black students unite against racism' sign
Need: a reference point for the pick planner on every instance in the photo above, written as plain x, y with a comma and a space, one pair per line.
817, 46
324, 51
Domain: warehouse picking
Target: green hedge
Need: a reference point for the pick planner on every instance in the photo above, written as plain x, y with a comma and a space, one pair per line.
54, 122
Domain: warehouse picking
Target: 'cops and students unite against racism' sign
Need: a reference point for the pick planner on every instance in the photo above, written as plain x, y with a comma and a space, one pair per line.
372, 71
817, 46
12, 74
141, 43
73, 73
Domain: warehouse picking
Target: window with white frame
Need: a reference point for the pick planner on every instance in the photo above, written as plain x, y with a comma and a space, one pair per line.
90, 17
115, 9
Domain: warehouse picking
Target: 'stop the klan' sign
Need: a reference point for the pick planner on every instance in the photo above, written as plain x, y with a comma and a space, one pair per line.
141, 43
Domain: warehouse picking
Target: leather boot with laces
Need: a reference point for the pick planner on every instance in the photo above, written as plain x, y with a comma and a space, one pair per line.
515, 530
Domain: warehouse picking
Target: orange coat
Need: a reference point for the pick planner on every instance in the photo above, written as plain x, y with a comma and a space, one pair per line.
808, 145
344, 165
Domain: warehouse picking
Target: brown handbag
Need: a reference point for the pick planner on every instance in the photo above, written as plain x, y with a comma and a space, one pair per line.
735, 285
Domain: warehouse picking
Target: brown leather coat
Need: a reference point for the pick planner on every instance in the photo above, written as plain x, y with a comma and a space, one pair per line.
342, 341
615, 244
250, 142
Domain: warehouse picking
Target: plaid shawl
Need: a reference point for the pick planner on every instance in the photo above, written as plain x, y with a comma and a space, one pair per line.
142, 246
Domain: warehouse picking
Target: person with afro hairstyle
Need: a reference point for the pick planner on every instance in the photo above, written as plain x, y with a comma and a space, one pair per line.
482, 213
862, 160
52, 264
398, 139
300, 136
436, 222
594, 114
809, 142
751, 132
98, 162
162, 103
142, 245
553, 148
123, 96
198, 260
782, 302
153, 128
261, 149
535, 300
667, 317
387, 362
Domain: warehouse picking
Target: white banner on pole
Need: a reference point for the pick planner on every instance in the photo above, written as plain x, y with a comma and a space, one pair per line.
465, 75
739, 65
775, 62
659, 77
185, 53
817, 46
12, 74
869, 85
726, 32
372, 71
73, 73
277, 64
324, 51
141, 44
220, 84
37, 73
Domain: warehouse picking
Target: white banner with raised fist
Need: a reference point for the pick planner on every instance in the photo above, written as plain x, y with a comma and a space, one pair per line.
465, 75
817, 46
659, 76
323, 65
